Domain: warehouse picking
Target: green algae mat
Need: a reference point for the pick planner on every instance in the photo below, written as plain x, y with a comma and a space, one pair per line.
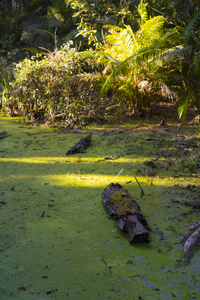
56, 239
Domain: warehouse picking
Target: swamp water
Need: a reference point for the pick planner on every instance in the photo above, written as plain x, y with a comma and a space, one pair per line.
56, 240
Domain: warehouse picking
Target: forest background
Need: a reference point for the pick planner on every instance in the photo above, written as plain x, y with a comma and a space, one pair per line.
95, 61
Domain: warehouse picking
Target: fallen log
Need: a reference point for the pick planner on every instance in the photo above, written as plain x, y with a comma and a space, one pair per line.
191, 244
3, 134
124, 209
81, 145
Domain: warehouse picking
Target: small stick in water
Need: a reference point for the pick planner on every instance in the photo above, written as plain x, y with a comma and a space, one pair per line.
142, 192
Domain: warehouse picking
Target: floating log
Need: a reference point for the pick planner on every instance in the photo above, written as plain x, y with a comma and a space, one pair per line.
124, 209
191, 244
3, 134
81, 145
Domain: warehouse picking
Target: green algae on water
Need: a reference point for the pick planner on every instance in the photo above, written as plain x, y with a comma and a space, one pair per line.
73, 250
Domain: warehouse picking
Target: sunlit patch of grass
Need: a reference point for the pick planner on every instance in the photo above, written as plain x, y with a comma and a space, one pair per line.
92, 180
52, 160
122, 170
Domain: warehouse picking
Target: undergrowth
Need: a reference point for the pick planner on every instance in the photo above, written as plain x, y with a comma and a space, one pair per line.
67, 85
63, 84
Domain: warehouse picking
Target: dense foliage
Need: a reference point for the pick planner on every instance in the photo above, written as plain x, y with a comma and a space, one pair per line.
134, 57
59, 85
124, 57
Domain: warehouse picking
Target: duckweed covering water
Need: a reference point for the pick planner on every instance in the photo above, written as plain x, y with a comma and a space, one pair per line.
57, 241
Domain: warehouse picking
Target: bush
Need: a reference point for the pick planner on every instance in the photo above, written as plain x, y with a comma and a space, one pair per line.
41, 83
63, 84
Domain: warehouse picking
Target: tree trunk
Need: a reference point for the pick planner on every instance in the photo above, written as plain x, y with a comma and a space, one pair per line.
122, 208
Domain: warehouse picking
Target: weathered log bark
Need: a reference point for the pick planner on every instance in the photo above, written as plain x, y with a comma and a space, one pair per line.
81, 145
191, 243
122, 208
3, 134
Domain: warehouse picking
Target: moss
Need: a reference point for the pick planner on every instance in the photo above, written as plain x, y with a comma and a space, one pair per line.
118, 196
124, 205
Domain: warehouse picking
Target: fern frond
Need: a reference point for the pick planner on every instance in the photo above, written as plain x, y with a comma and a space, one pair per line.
113, 27
185, 103
142, 12
67, 2
151, 30
162, 46
44, 31
193, 21
113, 59
119, 70
121, 43
173, 53
131, 39
54, 13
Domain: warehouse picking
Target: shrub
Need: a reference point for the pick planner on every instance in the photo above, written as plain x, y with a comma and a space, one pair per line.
63, 84
41, 83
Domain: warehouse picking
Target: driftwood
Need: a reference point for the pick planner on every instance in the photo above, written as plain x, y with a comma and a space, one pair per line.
191, 244
122, 208
3, 134
81, 145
